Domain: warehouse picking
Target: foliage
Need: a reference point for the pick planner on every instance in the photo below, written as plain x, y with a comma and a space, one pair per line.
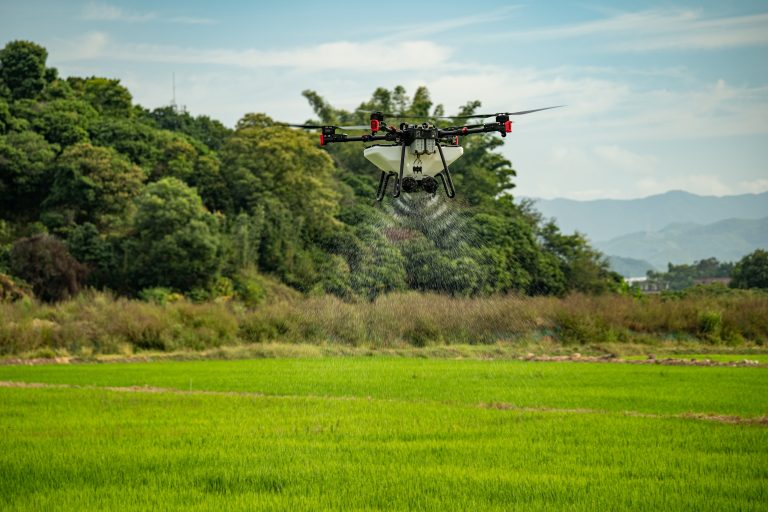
26, 173
106, 96
680, 277
176, 241
131, 191
208, 131
44, 262
261, 310
751, 271
92, 184
22, 68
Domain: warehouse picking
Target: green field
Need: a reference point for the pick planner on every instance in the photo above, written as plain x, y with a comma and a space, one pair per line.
383, 433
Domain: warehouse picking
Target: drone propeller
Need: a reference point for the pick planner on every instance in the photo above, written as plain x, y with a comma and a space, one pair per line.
483, 116
321, 126
394, 116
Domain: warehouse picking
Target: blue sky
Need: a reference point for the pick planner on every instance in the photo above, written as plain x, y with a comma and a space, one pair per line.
660, 95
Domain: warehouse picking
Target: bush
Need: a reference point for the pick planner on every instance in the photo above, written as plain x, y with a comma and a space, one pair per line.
98, 323
44, 262
710, 325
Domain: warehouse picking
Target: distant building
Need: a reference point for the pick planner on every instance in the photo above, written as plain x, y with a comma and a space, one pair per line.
646, 285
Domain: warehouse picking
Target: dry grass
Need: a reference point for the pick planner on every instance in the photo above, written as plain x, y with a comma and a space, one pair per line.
98, 323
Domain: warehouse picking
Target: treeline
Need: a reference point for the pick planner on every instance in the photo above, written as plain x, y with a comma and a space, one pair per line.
96, 191
749, 272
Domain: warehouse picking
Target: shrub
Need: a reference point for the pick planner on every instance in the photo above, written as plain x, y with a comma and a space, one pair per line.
709, 325
45, 263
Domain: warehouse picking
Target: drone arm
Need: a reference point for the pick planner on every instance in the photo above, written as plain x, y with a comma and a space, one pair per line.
342, 137
503, 128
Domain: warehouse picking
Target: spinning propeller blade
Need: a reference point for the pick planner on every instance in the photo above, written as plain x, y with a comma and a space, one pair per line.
320, 126
394, 116
483, 116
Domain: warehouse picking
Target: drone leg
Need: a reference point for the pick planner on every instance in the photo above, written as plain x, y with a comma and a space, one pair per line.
447, 181
399, 182
448, 186
382, 185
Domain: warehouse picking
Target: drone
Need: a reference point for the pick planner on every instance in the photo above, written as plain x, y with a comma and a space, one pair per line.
415, 155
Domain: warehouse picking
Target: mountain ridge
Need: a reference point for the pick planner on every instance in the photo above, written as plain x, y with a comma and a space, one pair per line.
602, 220
726, 240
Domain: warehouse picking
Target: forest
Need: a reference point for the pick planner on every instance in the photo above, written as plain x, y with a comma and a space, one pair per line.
99, 192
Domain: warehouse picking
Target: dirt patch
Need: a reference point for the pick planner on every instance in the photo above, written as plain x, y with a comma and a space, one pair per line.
448, 354
502, 406
36, 361
720, 418
667, 361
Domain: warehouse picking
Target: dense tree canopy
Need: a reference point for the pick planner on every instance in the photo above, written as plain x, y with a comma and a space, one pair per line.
751, 271
161, 198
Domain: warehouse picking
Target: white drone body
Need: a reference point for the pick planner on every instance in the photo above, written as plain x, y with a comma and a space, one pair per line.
421, 157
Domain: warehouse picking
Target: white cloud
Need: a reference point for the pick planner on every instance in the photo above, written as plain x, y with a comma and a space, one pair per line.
95, 11
702, 184
753, 187
99, 11
438, 26
340, 55
89, 46
659, 29
192, 21
619, 158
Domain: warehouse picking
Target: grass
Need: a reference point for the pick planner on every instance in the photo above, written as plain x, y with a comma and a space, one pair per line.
611, 387
96, 323
383, 433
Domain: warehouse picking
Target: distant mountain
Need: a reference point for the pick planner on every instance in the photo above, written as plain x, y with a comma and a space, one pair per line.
630, 267
726, 240
604, 219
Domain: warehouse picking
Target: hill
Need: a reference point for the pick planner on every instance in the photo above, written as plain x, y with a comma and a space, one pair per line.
605, 219
726, 240
629, 267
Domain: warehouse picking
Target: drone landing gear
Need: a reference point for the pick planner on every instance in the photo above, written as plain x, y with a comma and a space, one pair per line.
383, 182
445, 175
398, 179
427, 184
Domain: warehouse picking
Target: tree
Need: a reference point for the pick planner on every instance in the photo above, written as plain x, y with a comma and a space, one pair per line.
176, 242
261, 163
98, 253
106, 95
44, 262
22, 68
26, 173
584, 268
208, 131
751, 271
93, 184
134, 139
680, 277
61, 121
6, 119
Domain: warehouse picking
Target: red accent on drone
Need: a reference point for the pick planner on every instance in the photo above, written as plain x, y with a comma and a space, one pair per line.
375, 125
456, 140
508, 126
465, 130
322, 139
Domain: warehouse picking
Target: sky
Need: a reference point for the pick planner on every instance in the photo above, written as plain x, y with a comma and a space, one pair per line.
659, 95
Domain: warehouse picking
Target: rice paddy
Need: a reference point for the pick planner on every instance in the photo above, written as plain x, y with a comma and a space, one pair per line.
382, 433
